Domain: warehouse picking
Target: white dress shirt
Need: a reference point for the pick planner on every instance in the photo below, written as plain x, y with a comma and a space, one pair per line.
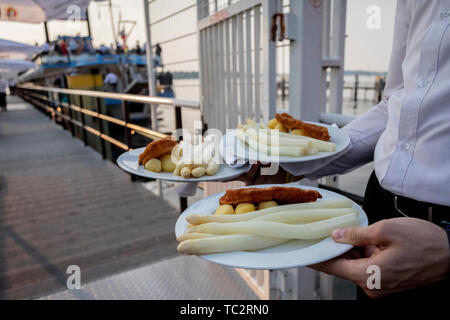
3, 86
73, 45
111, 78
408, 133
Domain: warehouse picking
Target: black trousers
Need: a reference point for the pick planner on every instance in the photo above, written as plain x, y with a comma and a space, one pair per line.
379, 204
3, 100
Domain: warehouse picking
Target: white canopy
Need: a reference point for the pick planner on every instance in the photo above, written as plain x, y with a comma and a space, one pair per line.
15, 65
37, 11
16, 50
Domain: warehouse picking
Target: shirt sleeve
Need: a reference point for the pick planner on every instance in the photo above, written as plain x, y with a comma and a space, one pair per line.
364, 131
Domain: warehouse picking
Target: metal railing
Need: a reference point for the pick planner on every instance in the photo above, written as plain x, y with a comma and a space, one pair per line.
40, 97
75, 115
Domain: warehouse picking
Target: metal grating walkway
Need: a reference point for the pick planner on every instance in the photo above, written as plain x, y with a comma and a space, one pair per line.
180, 278
61, 205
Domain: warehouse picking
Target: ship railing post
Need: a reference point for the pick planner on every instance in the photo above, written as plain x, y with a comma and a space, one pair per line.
100, 127
83, 121
126, 118
178, 118
179, 125
71, 126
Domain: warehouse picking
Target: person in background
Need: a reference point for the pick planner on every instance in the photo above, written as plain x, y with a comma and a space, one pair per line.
3, 87
119, 48
158, 58
111, 80
45, 48
73, 46
158, 50
64, 51
57, 48
104, 49
12, 86
138, 49
87, 47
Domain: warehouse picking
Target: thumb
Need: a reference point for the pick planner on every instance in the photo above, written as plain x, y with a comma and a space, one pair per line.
357, 236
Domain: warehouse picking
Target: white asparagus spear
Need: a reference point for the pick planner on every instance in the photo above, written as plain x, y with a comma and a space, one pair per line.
267, 138
331, 203
235, 242
313, 230
312, 151
272, 139
322, 145
194, 235
275, 138
304, 216
270, 150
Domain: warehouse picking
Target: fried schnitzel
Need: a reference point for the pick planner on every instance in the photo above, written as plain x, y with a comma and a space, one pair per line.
282, 195
156, 149
307, 129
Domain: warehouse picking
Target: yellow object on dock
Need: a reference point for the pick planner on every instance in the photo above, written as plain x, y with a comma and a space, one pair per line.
85, 81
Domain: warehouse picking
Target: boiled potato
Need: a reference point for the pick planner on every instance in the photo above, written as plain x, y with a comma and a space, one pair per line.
281, 128
185, 172
191, 164
244, 208
180, 164
176, 172
177, 152
167, 163
153, 165
298, 132
225, 209
201, 165
272, 123
266, 204
212, 169
198, 172
186, 163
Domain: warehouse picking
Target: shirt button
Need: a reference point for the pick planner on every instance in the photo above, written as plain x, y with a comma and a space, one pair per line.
445, 13
422, 83
405, 146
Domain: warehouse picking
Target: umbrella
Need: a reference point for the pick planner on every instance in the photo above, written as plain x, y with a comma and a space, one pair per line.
37, 11
15, 65
16, 50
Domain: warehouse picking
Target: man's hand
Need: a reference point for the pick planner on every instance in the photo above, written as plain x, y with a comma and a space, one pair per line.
254, 176
410, 253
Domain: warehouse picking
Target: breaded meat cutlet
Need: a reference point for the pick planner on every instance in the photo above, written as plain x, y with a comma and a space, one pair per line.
157, 149
284, 195
307, 129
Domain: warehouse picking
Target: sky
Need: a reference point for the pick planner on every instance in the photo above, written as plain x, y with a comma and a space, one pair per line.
368, 42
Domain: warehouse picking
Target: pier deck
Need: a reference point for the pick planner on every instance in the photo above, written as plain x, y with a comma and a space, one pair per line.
62, 205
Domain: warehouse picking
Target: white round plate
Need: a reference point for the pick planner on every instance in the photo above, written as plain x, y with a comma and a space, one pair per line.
232, 145
295, 253
128, 161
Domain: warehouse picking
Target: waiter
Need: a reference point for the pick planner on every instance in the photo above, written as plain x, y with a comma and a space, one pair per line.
3, 87
111, 80
407, 135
